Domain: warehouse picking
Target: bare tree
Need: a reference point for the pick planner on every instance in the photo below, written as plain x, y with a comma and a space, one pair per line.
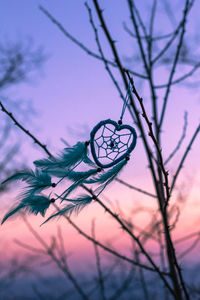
19, 62
167, 49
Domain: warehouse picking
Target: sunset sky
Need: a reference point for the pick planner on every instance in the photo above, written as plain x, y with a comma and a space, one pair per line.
73, 92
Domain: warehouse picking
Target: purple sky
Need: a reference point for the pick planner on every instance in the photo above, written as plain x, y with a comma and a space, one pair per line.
73, 92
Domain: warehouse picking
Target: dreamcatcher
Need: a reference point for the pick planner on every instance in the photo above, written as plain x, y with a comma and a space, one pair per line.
110, 143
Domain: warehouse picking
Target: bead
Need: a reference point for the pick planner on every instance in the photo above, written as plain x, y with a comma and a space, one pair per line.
53, 185
52, 200
112, 144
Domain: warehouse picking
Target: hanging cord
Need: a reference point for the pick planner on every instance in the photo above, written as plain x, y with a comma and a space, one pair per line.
129, 90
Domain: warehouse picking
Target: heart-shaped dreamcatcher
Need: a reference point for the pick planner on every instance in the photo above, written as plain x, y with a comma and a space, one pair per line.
111, 144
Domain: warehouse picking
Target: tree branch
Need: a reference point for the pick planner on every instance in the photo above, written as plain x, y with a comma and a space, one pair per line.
184, 157
181, 139
175, 62
82, 46
98, 264
181, 78
10, 115
134, 188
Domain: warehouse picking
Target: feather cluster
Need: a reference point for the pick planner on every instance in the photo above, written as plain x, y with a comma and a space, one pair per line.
75, 206
61, 167
30, 200
67, 159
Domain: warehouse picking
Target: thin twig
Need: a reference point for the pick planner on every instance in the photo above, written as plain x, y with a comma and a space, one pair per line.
28, 247
147, 66
104, 59
181, 78
142, 278
168, 44
175, 62
134, 188
123, 287
81, 45
140, 21
184, 157
10, 115
181, 139
101, 51
190, 248
134, 10
98, 264
176, 32
150, 41
156, 38
186, 237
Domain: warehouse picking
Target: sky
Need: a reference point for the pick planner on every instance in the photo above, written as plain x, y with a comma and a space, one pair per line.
73, 92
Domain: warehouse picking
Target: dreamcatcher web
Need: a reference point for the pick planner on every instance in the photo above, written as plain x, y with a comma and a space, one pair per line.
110, 144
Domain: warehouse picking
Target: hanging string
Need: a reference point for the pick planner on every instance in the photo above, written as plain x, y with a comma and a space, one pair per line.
129, 90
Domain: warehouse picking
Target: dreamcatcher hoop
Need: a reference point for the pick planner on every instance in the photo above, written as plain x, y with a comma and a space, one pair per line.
117, 145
